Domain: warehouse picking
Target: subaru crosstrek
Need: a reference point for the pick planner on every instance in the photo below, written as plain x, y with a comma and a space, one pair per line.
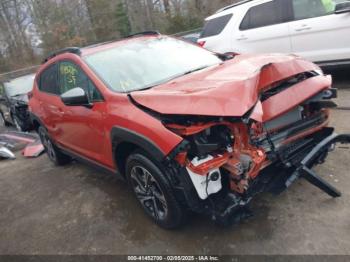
190, 130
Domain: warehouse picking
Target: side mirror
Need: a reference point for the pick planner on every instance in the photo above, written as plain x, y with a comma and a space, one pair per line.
342, 8
76, 97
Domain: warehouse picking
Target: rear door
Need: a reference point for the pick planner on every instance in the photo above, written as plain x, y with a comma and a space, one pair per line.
49, 102
263, 29
317, 33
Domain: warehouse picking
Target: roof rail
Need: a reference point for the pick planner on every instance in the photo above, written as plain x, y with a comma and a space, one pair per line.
144, 33
73, 50
233, 5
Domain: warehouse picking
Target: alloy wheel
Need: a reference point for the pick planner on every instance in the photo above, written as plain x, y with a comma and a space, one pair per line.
149, 193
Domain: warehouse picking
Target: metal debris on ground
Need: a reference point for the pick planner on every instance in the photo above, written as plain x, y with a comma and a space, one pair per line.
5, 153
29, 143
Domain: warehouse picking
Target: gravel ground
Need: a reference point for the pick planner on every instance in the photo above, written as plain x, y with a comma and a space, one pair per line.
75, 210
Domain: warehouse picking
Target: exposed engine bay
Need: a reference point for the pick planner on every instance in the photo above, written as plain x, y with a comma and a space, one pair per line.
225, 158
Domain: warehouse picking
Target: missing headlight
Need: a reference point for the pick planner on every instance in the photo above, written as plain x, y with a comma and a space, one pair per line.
213, 139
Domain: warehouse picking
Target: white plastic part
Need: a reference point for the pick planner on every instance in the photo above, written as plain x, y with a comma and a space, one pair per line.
200, 182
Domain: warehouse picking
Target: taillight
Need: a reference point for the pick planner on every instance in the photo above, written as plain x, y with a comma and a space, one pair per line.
201, 43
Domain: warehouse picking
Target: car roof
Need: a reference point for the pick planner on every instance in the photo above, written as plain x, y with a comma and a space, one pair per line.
230, 8
89, 50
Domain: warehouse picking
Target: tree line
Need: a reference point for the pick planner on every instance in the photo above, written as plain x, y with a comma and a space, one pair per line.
29, 29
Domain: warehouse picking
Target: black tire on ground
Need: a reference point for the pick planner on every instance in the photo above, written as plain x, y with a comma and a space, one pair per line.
153, 191
53, 152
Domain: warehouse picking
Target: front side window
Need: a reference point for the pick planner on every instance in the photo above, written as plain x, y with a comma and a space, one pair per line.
215, 26
71, 76
142, 64
266, 14
48, 80
304, 9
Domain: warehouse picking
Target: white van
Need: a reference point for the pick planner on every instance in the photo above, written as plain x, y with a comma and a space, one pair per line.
318, 30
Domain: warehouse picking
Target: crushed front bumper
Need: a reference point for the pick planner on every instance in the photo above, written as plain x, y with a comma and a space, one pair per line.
304, 170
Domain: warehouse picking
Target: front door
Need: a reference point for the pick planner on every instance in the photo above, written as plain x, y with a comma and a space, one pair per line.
83, 129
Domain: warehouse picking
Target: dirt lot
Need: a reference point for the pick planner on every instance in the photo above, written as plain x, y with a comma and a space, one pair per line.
76, 210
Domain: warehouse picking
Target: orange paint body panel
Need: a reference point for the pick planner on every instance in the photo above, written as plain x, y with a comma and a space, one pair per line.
293, 96
232, 88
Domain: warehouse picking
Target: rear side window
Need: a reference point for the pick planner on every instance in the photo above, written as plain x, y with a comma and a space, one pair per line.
215, 26
266, 14
48, 80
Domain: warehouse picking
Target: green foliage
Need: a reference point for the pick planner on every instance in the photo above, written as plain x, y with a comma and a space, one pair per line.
60, 23
179, 23
123, 23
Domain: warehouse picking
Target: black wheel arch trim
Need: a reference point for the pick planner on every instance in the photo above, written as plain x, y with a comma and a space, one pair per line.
33, 118
120, 135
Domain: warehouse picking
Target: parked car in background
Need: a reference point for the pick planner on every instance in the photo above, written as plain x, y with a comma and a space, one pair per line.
192, 38
317, 30
14, 102
187, 128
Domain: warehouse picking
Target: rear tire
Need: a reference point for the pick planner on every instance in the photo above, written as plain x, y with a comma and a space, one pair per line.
53, 152
153, 191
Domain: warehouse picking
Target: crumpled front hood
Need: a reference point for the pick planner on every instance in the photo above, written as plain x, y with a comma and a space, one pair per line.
229, 89
21, 99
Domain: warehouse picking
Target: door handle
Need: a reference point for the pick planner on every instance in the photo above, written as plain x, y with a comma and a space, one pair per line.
303, 28
242, 38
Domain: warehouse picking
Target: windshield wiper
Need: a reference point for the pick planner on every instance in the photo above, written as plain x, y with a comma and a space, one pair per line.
173, 77
17, 95
195, 70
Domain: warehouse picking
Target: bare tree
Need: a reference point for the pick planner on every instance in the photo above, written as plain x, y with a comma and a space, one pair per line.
30, 25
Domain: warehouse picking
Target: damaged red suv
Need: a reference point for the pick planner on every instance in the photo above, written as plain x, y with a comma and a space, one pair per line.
190, 130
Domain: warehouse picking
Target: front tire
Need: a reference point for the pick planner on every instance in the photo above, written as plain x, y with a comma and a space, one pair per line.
153, 191
53, 152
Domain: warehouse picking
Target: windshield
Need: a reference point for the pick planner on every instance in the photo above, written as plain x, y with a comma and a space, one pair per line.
142, 64
20, 86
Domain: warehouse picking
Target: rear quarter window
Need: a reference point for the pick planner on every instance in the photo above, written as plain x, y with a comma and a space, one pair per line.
215, 26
